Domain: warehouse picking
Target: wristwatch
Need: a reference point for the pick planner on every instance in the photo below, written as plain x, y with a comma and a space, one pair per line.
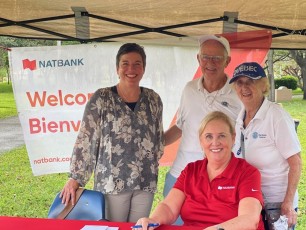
218, 227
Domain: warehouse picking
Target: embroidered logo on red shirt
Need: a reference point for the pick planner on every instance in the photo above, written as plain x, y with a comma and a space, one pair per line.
225, 187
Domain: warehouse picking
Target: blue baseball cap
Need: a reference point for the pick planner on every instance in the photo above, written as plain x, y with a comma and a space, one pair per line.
248, 69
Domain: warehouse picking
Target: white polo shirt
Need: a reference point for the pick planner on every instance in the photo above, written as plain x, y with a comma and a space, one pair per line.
196, 102
269, 139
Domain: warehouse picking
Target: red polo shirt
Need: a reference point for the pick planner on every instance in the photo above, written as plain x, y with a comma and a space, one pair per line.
210, 203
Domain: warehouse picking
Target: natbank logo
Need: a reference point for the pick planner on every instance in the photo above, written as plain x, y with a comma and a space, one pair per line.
27, 64
32, 65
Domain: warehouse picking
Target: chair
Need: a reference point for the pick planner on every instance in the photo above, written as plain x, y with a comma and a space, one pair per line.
90, 205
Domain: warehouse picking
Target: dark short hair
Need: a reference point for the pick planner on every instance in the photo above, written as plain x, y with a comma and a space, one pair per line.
129, 48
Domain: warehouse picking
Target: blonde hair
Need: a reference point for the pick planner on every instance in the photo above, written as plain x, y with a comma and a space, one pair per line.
264, 84
216, 115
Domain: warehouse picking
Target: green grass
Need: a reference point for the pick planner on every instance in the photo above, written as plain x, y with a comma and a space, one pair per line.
2, 74
7, 101
22, 194
297, 91
297, 109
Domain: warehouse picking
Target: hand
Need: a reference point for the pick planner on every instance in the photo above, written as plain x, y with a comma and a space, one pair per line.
289, 212
144, 222
68, 192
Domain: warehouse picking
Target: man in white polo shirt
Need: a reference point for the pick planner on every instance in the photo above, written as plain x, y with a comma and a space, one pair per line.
200, 96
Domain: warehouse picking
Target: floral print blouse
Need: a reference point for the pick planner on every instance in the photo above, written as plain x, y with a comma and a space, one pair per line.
120, 146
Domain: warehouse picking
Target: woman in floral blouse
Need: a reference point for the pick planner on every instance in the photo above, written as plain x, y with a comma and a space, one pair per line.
120, 141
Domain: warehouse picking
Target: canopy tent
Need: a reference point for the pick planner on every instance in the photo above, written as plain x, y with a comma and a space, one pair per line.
153, 21
174, 23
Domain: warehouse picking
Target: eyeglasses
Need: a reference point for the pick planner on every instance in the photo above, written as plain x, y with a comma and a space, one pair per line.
247, 83
216, 59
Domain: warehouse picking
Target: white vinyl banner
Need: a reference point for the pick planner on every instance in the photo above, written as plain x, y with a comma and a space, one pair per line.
52, 85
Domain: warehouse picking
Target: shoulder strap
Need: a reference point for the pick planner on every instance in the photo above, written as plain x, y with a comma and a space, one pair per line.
242, 145
64, 213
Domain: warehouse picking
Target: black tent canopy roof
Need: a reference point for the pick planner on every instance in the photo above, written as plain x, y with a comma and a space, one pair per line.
153, 21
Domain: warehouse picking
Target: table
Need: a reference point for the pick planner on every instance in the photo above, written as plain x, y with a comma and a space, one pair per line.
15, 223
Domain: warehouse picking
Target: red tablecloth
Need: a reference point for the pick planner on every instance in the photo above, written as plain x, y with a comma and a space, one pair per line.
18, 223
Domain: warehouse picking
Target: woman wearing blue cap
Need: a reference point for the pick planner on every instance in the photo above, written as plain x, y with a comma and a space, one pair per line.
266, 138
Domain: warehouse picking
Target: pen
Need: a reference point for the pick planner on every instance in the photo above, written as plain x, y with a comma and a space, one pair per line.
149, 225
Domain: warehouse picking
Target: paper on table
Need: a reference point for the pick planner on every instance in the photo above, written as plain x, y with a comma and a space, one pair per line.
94, 227
98, 227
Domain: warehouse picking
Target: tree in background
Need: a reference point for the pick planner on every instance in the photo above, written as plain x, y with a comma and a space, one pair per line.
291, 62
300, 58
9, 42
295, 71
270, 69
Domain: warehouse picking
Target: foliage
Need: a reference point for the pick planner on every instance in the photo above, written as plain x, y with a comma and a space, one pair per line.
299, 57
297, 91
4, 66
281, 61
17, 42
296, 72
3, 75
3, 57
10, 42
291, 62
289, 81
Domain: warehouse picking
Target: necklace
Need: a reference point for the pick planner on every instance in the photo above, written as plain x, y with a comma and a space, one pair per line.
124, 96
211, 99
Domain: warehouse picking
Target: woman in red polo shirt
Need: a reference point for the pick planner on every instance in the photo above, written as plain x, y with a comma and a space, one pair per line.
218, 192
